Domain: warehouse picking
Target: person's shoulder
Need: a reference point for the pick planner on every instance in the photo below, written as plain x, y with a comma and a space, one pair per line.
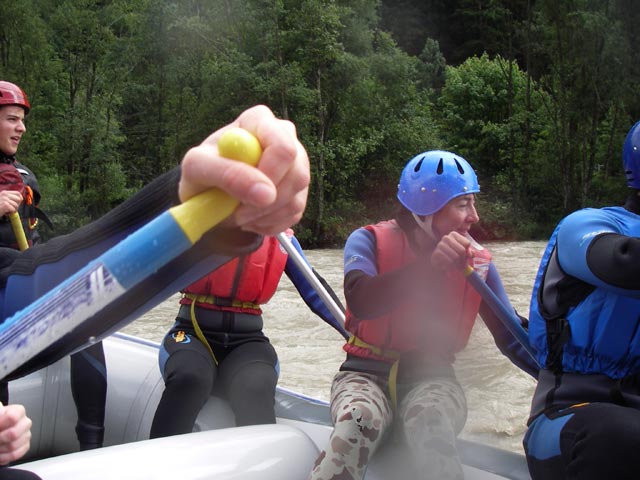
590, 222
27, 175
360, 234
591, 215
23, 169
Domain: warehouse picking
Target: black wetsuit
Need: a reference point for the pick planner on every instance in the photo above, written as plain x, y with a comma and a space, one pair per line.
246, 372
12, 473
8, 240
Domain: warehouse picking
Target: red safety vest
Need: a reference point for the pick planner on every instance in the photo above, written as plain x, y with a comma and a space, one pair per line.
439, 320
250, 279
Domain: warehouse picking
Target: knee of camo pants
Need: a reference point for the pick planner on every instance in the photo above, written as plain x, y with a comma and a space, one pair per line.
433, 414
361, 415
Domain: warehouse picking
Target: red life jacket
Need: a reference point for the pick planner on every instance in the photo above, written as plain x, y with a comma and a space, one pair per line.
14, 176
251, 279
439, 321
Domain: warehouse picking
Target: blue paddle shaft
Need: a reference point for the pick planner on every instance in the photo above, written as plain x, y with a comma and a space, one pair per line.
102, 281
322, 292
504, 314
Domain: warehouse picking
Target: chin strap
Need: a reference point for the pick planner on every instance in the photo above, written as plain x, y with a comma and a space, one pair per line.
424, 223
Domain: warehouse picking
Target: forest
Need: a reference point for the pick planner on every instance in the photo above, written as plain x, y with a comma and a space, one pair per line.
537, 95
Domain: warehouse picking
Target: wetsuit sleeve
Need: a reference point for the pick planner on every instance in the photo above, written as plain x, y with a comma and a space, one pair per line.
508, 345
36, 270
369, 294
307, 291
592, 248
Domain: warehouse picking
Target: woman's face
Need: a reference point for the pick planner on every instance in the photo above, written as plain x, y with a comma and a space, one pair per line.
457, 215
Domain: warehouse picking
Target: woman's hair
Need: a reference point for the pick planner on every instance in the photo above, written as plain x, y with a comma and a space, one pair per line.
404, 219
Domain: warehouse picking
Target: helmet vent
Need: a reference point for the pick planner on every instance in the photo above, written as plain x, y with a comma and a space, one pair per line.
440, 167
460, 169
418, 165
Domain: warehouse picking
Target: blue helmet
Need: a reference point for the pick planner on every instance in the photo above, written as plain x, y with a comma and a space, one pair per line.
429, 180
631, 157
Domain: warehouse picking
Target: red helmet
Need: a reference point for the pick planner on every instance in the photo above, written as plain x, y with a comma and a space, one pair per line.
11, 94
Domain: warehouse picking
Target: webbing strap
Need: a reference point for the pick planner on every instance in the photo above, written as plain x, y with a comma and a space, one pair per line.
393, 372
221, 302
198, 331
393, 384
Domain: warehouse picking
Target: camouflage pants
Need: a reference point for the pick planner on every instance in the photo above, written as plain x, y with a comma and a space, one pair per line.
430, 415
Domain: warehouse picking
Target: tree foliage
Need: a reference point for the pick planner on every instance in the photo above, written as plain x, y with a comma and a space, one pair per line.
537, 95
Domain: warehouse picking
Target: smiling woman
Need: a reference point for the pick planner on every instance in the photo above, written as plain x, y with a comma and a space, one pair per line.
410, 311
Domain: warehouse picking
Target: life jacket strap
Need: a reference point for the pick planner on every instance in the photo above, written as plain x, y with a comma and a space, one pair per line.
393, 355
199, 333
378, 351
220, 301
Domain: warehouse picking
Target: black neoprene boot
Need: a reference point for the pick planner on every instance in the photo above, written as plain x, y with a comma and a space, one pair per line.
89, 436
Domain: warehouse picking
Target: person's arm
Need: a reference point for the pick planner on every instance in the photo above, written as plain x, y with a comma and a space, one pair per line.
370, 294
272, 198
15, 433
592, 248
264, 206
38, 269
504, 339
307, 291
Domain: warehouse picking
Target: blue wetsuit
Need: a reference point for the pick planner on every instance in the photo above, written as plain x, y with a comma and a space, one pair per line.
88, 369
584, 324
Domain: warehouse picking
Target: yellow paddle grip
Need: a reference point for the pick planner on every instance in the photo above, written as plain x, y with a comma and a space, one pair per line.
18, 231
205, 210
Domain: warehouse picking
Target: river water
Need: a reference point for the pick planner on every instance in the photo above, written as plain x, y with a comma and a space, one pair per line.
310, 351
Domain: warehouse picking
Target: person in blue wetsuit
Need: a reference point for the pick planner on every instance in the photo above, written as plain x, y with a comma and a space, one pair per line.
19, 193
584, 325
272, 198
88, 368
410, 310
217, 343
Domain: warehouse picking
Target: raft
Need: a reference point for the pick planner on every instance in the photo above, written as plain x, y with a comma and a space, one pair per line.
215, 450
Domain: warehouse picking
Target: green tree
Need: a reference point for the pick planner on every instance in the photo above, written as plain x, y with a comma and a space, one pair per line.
482, 114
586, 51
